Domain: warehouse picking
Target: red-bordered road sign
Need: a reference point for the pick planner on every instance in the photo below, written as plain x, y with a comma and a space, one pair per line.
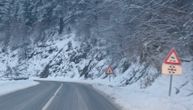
172, 58
109, 70
171, 66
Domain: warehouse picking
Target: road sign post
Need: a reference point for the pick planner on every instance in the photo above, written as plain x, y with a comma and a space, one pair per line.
170, 87
171, 66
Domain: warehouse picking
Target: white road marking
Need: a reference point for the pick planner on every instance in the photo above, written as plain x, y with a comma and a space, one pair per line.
52, 98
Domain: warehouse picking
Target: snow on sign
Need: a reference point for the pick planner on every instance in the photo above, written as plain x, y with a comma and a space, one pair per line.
109, 70
172, 64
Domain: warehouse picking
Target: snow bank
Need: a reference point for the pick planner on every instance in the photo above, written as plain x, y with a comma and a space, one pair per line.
155, 97
132, 98
12, 86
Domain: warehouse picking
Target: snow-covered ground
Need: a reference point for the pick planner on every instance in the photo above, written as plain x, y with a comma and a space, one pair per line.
155, 97
12, 86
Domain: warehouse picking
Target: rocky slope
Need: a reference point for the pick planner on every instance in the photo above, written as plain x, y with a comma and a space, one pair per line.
80, 38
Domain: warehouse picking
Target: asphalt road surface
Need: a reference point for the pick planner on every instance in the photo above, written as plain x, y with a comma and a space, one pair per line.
56, 96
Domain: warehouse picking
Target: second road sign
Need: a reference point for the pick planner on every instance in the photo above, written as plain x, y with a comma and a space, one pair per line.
109, 70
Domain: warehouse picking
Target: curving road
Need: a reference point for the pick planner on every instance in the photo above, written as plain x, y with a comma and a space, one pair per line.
49, 95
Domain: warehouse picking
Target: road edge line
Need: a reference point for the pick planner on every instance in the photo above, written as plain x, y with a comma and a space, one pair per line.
52, 98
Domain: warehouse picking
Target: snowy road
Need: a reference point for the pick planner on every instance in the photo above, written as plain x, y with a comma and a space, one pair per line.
56, 96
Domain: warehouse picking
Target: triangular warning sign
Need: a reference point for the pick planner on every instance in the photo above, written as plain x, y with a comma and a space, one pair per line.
172, 58
109, 70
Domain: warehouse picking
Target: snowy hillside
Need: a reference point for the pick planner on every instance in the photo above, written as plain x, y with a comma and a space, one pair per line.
81, 38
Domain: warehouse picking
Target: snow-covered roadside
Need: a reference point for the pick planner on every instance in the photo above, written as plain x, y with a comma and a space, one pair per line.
152, 98
12, 86
156, 96
132, 98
